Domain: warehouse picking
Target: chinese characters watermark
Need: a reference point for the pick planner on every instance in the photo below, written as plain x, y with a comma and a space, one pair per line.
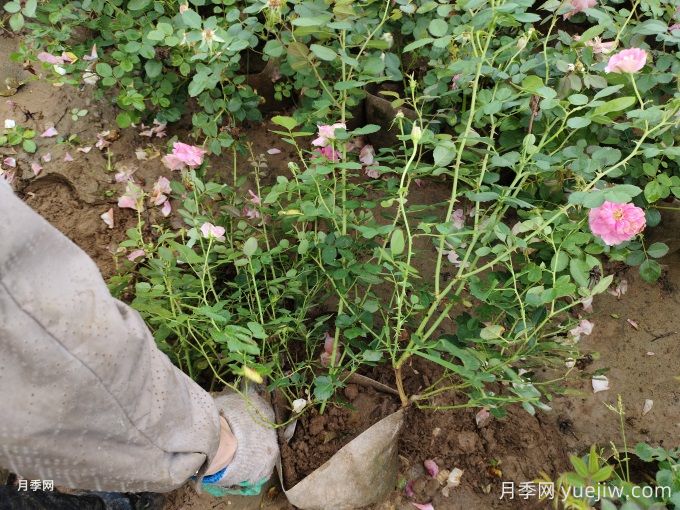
36, 485
546, 490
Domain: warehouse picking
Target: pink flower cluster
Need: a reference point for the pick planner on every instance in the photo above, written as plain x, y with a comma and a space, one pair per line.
616, 223
184, 155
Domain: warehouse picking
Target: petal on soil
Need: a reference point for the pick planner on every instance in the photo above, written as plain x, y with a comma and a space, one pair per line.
37, 168
274, 150
49, 132
423, 506
600, 383
431, 467
647, 406
107, 217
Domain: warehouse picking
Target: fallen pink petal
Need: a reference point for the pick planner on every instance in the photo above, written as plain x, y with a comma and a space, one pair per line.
84, 149
166, 209
48, 58
600, 383
423, 506
107, 217
135, 254
49, 132
9, 162
37, 168
68, 157
254, 198
431, 467
273, 151
46, 157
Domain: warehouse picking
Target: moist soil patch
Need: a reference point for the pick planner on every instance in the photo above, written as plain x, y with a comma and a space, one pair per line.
319, 436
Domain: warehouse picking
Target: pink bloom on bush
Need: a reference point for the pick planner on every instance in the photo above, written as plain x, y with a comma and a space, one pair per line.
675, 26
579, 6
183, 155
132, 198
454, 81
254, 198
616, 223
600, 47
458, 218
250, 213
630, 60
212, 231
367, 155
166, 209
329, 153
161, 188
327, 133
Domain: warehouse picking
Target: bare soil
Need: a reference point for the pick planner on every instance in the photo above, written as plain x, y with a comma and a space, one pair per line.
641, 362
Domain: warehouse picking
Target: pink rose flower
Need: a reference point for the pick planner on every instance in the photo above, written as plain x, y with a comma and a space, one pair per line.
616, 223
327, 133
627, 61
183, 155
579, 6
211, 231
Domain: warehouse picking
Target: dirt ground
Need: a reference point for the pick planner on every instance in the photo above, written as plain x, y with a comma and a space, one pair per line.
635, 342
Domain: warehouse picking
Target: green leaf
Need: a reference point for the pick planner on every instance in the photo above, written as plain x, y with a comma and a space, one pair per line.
323, 52
12, 7
559, 262
397, 242
443, 154
123, 120
287, 122
192, 19
153, 68
438, 27
16, 21
417, 44
657, 250
138, 5
250, 247
578, 122
29, 146
366, 130
29, 8
615, 105
650, 270
103, 69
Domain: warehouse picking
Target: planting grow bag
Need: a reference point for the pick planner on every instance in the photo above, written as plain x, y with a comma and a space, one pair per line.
362, 472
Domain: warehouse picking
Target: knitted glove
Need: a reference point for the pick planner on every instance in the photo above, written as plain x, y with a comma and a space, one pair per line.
257, 449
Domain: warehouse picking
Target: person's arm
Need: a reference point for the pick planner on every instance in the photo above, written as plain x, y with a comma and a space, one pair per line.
88, 400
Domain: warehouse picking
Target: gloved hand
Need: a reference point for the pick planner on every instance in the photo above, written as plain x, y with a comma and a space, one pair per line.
257, 449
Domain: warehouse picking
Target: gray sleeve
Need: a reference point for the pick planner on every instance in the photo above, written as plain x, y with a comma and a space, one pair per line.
87, 399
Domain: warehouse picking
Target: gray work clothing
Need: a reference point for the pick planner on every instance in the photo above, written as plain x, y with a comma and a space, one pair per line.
86, 398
